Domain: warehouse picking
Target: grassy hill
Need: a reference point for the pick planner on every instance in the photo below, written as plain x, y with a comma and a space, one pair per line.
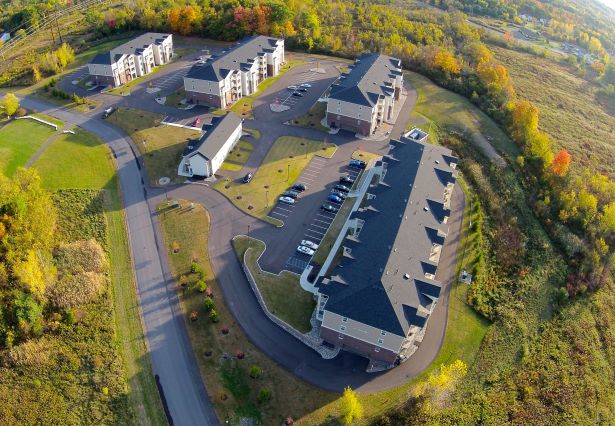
571, 109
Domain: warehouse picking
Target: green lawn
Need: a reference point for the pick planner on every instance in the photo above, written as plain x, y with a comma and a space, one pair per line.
313, 117
442, 108
238, 156
232, 392
160, 146
282, 293
173, 99
283, 164
19, 141
76, 161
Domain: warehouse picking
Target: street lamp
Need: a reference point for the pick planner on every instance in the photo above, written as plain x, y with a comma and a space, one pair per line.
267, 197
288, 173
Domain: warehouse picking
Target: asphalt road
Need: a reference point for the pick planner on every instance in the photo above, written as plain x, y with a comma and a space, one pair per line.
169, 346
171, 351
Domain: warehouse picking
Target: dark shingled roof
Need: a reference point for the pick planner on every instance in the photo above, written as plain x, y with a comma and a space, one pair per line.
368, 80
216, 135
241, 56
133, 47
382, 282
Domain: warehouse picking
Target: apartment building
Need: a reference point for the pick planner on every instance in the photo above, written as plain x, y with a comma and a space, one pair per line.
378, 299
237, 72
204, 157
364, 98
131, 60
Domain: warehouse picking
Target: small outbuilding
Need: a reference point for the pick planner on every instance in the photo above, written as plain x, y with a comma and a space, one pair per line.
203, 157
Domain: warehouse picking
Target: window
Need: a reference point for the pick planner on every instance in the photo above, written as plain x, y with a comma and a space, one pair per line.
383, 333
376, 349
340, 336
345, 319
380, 341
343, 328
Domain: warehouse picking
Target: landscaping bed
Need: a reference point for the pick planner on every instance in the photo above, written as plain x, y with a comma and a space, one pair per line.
312, 119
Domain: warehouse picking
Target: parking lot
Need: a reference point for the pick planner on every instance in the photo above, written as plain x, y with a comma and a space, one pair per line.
288, 98
172, 81
305, 220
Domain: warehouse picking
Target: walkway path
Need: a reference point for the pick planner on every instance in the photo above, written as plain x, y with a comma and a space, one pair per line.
43, 148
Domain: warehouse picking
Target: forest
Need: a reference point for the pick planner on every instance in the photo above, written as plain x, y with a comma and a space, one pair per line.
557, 217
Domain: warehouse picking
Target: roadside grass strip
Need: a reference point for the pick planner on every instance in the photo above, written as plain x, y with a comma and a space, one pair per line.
20, 140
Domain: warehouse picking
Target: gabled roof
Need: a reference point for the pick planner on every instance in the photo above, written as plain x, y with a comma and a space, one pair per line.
239, 57
216, 135
368, 80
133, 47
384, 280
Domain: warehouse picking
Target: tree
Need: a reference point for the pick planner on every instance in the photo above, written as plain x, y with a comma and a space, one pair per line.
36, 73
182, 19
352, 409
446, 62
561, 163
607, 219
538, 144
10, 102
524, 120
595, 46
440, 385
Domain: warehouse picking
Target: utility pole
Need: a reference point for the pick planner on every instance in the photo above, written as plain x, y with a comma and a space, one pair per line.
58, 28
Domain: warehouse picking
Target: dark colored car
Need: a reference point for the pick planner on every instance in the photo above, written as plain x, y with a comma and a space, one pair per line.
342, 188
347, 180
291, 194
339, 194
335, 199
302, 89
299, 187
108, 112
297, 94
329, 208
247, 178
357, 164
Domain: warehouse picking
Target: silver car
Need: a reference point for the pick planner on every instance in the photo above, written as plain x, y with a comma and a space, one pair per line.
286, 200
309, 244
305, 250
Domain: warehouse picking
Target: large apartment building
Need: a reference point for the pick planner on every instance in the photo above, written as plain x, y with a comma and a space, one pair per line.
377, 301
237, 72
130, 60
364, 98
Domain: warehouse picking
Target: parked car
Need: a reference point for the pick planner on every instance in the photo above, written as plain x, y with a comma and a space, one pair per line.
291, 194
357, 164
247, 178
306, 85
196, 122
346, 180
305, 250
335, 199
302, 89
108, 112
339, 194
297, 94
310, 244
286, 200
342, 188
299, 187
329, 208
292, 87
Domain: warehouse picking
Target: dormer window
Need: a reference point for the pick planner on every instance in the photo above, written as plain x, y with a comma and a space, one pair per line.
345, 319
383, 333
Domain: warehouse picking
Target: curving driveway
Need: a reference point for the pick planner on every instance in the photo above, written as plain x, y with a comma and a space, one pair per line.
171, 352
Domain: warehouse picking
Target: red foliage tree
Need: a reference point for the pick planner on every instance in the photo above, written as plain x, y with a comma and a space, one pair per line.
561, 162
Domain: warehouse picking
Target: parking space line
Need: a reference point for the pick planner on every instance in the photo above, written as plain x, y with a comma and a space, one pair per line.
326, 217
289, 211
320, 226
280, 214
318, 239
311, 236
316, 231
323, 221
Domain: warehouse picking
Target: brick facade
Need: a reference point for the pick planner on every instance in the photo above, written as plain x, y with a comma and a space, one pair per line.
204, 99
104, 80
341, 121
358, 346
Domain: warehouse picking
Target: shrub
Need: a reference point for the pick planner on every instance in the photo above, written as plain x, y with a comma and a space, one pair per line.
81, 256
264, 395
213, 316
255, 371
76, 289
209, 304
195, 268
21, 112
33, 353
201, 286
78, 99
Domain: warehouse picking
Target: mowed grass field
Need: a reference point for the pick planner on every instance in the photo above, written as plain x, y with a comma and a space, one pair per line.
437, 107
19, 141
76, 161
160, 146
232, 391
572, 111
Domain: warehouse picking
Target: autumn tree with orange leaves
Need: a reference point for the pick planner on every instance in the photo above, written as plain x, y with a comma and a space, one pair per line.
183, 19
561, 163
